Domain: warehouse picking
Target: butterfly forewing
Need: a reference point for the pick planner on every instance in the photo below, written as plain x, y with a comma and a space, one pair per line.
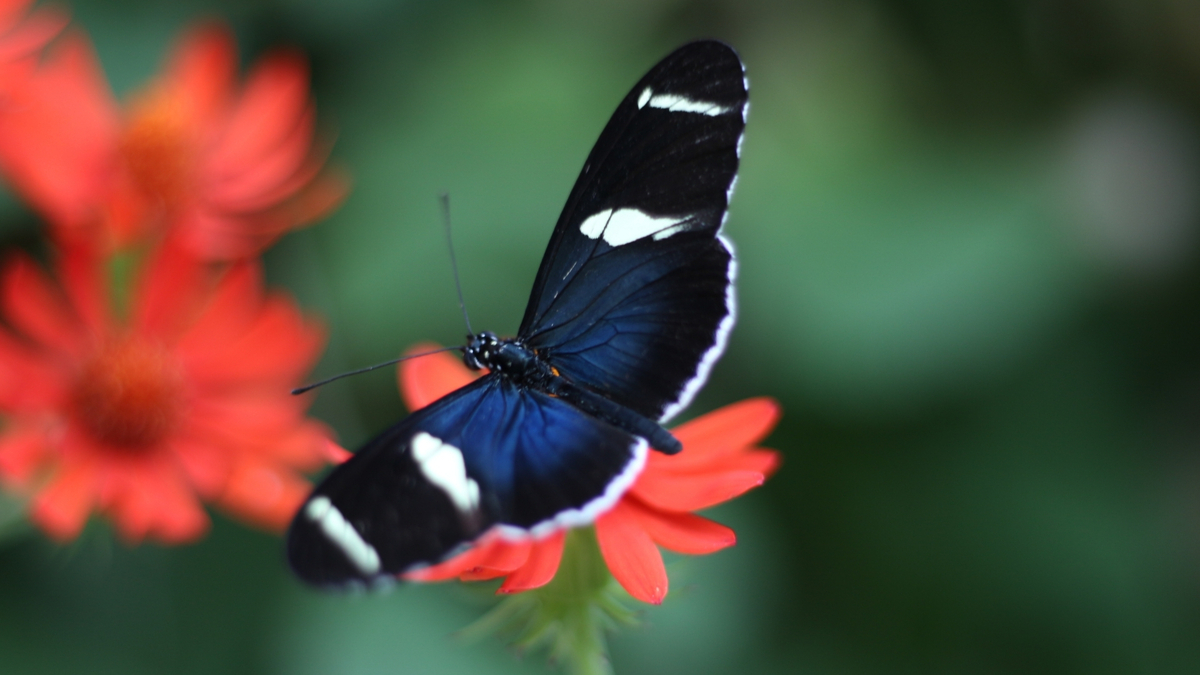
634, 295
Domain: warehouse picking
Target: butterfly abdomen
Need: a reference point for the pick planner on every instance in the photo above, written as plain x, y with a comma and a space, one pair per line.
617, 415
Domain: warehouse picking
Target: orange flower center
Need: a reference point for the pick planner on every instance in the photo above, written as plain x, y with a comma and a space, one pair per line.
157, 149
129, 395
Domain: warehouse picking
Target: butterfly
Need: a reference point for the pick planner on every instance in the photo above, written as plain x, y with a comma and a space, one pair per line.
631, 307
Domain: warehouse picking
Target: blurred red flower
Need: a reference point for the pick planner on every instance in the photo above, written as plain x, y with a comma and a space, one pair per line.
719, 461
141, 411
225, 168
22, 34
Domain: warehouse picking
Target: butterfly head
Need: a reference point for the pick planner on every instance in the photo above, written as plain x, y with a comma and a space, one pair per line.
481, 350
509, 358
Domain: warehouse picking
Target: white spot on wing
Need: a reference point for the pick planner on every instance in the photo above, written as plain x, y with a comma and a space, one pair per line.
594, 226
342, 534
625, 225
663, 234
443, 465
677, 103
644, 98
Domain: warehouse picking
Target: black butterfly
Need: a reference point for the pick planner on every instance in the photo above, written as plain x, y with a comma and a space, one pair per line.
631, 307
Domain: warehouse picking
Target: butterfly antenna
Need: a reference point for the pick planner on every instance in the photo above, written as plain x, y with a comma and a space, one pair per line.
308, 387
445, 197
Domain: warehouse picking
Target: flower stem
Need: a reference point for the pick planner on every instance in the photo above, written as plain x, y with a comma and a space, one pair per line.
568, 616
122, 268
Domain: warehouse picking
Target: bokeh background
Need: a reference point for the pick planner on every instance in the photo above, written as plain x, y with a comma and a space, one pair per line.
970, 272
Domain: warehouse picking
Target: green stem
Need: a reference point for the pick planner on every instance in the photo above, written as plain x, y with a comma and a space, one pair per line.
122, 268
568, 616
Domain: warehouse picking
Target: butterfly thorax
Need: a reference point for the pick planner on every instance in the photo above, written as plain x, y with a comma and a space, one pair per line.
515, 362
510, 358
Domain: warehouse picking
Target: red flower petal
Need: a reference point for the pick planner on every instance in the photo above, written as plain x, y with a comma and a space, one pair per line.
631, 555
275, 96
201, 70
692, 493
502, 558
242, 192
763, 461
725, 431
682, 532
86, 286
11, 12
29, 381
334, 453
146, 497
301, 180
423, 381
528, 564
238, 414
659, 466
152, 509
214, 235
37, 309
539, 569
263, 493
317, 200
271, 427
491, 551
484, 549
230, 311
62, 508
306, 448
207, 465
233, 310
170, 289
22, 450
57, 145
219, 234
279, 348
34, 32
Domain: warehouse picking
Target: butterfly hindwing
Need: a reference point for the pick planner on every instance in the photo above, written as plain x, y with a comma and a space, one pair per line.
489, 454
378, 513
634, 295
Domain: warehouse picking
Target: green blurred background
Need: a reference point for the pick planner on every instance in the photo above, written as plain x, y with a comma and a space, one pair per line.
968, 235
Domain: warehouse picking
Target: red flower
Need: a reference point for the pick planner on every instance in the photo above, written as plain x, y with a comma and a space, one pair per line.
186, 398
719, 461
227, 169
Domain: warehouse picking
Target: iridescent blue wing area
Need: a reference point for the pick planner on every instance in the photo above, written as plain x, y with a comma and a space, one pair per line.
490, 454
634, 296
